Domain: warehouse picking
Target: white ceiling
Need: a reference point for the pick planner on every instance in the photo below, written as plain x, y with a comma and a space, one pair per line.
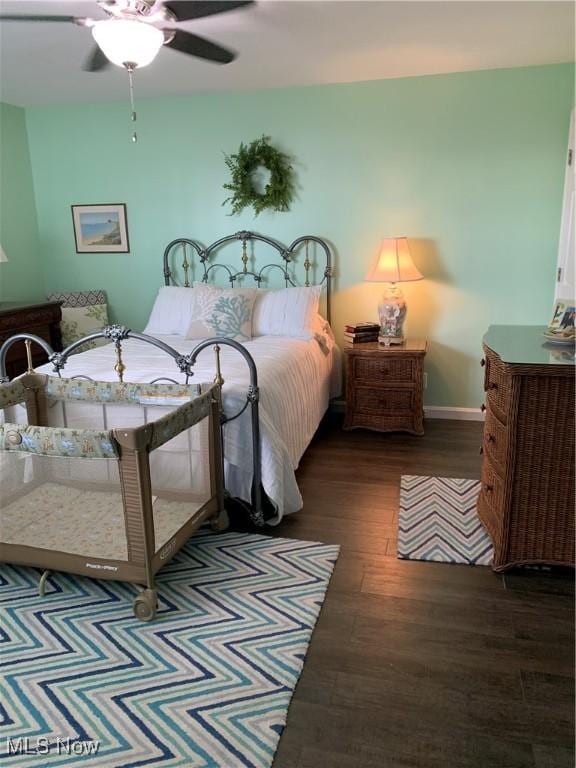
283, 43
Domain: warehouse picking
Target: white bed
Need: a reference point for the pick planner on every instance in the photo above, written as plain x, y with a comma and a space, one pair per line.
296, 379
293, 348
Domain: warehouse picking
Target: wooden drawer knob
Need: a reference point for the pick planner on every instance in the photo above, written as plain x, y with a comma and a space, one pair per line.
488, 488
492, 385
491, 439
482, 407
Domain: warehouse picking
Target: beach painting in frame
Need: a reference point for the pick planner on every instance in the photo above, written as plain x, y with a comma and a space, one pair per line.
100, 228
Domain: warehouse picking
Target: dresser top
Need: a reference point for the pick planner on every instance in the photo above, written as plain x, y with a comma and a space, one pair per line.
525, 345
8, 307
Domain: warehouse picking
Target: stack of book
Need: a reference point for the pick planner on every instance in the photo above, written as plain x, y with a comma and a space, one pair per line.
361, 332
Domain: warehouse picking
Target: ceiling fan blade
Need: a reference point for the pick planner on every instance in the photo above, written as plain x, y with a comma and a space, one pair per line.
17, 17
196, 9
193, 45
96, 61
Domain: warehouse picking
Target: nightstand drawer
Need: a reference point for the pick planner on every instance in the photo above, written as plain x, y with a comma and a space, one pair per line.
390, 400
374, 369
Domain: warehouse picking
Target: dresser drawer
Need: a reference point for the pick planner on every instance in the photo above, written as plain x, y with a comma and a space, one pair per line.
18, 349
40, 319
498, 385
492, 486
495, 442
389, 400
490, 505
373, 370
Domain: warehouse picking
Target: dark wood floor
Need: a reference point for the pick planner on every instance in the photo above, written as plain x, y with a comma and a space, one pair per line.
422, 664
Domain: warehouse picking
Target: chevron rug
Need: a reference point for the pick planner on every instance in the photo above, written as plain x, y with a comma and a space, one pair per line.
438, 521
207, 684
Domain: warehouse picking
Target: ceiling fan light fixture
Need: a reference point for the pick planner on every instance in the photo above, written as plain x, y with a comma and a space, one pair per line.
124, 41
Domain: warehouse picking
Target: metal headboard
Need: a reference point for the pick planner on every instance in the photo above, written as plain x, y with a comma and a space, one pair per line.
317, 263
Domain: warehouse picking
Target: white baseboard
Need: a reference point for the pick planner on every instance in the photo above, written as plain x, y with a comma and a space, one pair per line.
430, 411
447, 412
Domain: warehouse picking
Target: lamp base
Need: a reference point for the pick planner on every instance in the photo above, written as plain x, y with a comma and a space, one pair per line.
389, 340
392, 312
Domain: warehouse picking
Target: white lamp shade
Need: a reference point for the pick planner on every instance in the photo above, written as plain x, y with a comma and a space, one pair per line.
3, 257
128, 42
393, 263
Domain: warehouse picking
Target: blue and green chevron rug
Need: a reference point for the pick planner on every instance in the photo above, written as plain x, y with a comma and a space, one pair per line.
207, 684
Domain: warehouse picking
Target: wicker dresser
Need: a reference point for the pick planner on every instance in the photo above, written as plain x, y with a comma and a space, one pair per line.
526, 500
384, 386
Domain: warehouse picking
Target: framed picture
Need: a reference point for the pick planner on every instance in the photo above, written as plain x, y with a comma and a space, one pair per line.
563, 315
100, 228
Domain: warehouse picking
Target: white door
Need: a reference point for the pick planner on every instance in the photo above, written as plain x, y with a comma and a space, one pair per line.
565, 288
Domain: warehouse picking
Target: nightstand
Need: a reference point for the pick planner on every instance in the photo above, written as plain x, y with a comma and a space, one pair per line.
39, 318
384, 386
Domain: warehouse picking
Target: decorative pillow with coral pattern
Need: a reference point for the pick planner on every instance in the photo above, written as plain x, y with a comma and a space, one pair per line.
222, 312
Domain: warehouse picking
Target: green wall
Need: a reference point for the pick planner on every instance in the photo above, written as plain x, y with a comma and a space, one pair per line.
21, 278
469, 166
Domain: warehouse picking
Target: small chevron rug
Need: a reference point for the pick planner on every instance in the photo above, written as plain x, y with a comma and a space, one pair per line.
205, 685
438, 521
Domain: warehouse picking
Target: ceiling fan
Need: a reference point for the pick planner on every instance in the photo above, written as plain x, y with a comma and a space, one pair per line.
135, 30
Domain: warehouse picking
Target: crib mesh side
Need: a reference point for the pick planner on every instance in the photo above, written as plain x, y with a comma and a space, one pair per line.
180, 480
179, 468
179, 465
12, 408
12, 466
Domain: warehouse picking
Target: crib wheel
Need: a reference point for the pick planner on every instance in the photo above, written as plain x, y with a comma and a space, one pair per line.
145, 605
221, 522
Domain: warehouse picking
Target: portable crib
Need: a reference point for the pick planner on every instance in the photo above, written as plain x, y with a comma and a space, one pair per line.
85, 483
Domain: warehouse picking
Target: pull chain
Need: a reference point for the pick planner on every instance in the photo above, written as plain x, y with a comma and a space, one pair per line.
130, 69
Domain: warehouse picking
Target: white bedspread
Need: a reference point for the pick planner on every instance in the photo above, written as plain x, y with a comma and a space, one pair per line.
296, 380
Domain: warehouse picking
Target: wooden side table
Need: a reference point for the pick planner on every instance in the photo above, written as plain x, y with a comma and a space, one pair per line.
384, 386
40, 318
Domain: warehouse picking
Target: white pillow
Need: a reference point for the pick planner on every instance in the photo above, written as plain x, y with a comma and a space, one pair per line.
222, 312
172, 311
286, 312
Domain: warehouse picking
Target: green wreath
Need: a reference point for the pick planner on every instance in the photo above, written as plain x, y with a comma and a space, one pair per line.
279, 191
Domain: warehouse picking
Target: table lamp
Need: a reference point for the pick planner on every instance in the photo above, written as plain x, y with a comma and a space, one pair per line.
393, 264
